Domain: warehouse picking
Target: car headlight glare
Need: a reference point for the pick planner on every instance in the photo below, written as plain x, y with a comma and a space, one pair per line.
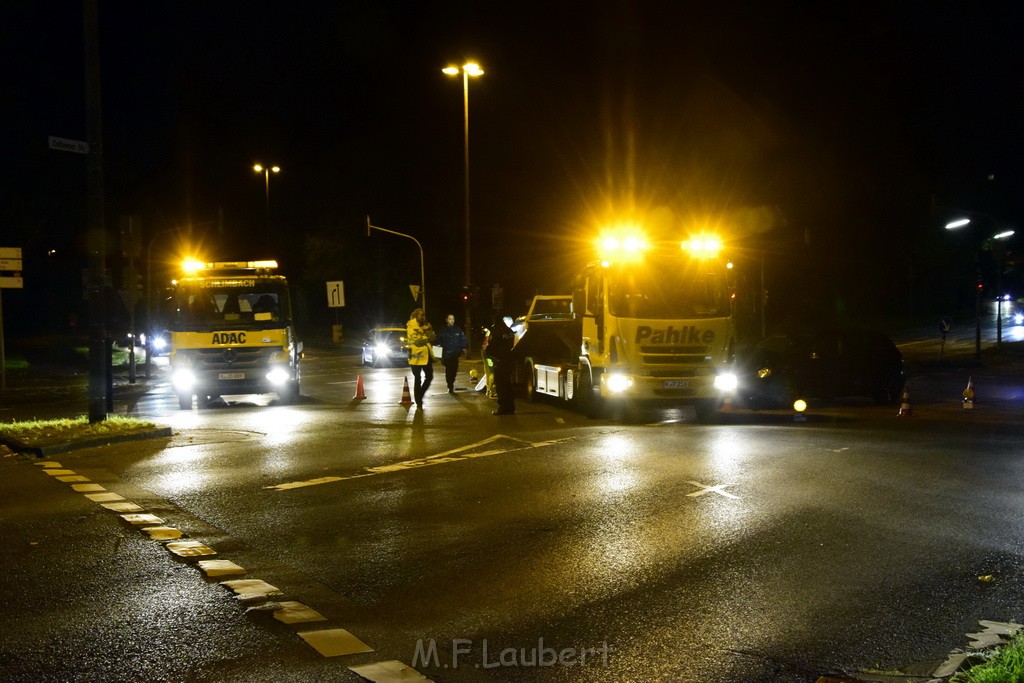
183, 379
1018, 318
726, 382
382, 350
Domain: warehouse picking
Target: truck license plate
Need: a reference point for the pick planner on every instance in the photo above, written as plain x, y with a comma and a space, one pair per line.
231, 375
675, 384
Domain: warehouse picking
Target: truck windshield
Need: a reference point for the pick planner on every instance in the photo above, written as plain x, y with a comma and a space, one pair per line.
669, 289
255, 305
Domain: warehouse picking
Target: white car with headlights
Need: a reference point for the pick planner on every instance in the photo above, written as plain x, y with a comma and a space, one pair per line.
386, 346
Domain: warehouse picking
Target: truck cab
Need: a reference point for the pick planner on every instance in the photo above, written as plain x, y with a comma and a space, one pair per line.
232, 332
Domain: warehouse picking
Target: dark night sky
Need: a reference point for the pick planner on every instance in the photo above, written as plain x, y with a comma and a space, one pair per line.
831, 126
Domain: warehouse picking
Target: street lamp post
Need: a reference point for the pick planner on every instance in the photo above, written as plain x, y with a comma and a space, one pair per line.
468, 69
423, 288
266, 171
999, 252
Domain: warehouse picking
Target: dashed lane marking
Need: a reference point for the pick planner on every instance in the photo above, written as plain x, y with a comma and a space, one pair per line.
332, 642
454, 455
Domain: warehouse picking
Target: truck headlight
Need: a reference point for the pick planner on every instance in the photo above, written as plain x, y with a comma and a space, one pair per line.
618, 383
183, 379
725, 382
278, 376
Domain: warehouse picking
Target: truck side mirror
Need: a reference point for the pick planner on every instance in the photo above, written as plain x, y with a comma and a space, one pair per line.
579, 303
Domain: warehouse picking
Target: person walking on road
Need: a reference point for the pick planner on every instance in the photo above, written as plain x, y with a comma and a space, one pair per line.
499, 351
453, 342
421, 356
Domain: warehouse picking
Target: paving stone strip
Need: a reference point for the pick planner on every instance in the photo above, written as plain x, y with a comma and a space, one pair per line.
329, 642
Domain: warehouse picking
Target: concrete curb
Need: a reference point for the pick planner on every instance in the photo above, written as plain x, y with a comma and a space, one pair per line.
54, 449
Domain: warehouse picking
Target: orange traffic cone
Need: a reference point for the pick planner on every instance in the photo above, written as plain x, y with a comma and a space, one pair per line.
969, 394
905, 403
360, 394
406, 397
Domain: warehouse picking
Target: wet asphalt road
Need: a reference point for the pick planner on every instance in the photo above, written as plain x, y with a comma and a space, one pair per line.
761, 549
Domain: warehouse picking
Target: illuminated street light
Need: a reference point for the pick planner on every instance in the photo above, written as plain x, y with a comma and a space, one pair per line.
266, 171
468, 69
999, 256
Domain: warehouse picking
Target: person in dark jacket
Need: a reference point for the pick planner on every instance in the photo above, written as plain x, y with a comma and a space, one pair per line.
453, 342
499, 351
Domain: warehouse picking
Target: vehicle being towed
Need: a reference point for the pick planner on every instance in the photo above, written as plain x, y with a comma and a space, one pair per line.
821, 364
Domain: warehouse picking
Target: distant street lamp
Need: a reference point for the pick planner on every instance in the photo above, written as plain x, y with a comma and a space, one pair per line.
266, 171
999, 256
468, 69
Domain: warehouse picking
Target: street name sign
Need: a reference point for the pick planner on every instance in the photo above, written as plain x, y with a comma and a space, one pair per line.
68, 145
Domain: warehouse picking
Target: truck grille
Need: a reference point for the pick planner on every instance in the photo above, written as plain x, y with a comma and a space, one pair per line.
673, 355
675, 362
233, 358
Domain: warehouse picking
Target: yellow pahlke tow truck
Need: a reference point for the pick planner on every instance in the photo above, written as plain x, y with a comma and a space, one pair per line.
232, 332
648, 324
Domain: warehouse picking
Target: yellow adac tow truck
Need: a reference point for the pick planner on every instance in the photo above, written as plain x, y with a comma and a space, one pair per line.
232, 332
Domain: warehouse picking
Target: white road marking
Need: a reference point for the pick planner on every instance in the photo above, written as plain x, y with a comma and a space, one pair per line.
454, 455
710, 489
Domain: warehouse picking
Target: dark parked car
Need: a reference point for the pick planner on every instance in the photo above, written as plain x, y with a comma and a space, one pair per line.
821, 365
386, 346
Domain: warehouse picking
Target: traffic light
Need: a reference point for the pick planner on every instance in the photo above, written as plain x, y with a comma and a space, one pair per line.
466, 295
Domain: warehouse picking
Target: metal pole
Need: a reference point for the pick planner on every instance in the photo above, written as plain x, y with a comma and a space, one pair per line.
423, 282
99, 365
3, 358
266, 175
465, 148
977, 312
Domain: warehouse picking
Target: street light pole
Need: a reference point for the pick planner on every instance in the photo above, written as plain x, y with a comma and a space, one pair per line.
468, 69
423, 290
998, 255
266, 171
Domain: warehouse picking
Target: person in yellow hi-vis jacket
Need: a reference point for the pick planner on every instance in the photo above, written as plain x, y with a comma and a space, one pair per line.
420, 337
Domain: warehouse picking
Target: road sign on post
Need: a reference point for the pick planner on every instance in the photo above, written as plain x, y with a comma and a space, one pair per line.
10, 278
336, 294
10, 268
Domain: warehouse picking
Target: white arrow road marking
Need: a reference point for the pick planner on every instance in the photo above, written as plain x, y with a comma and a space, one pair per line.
454, 455
710, 489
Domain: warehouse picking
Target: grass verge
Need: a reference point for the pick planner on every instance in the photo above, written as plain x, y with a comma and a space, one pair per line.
43, 433
1002, 665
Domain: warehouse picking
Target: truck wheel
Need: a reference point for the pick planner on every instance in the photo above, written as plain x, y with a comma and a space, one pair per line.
185, 401
589, 404
531, 382
707, 410
289, 394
